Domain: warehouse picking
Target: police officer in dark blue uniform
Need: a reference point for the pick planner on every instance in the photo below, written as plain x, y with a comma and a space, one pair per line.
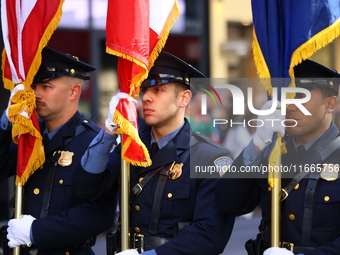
55, 221
310, 206
171, 213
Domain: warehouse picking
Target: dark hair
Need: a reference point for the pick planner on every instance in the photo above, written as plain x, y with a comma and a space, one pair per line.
327, 92
180, 87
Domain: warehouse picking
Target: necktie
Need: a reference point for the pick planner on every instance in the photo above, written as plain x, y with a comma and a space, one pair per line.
46, 139
301, 150
154, 149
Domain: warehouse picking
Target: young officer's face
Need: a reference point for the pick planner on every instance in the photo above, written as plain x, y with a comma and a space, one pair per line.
310, 126
161, 105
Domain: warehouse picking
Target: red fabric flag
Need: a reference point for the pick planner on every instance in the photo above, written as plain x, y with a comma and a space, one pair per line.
136, 32
26, 26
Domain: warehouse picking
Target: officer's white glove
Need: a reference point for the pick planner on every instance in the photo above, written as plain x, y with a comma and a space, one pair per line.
109, 124
277, 251
268, 125
17, 88
19, 231
128, 252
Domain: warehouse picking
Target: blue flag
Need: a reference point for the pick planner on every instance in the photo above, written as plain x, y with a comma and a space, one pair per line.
286, 32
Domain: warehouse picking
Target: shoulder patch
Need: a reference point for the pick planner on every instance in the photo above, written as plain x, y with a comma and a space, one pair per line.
223, 164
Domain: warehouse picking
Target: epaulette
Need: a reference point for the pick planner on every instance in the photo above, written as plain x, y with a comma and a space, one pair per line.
199, 136
90, 124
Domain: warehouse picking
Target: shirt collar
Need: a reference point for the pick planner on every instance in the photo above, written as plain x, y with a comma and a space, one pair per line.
165, 139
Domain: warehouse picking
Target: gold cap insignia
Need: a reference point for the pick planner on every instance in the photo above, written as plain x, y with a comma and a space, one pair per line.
175, 171
65, 158
329, 172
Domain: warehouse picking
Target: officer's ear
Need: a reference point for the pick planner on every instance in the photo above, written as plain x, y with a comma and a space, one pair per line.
332, 103
185, 98
75, 91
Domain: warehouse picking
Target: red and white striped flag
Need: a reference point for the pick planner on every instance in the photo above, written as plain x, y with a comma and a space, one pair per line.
136, 31
27, 26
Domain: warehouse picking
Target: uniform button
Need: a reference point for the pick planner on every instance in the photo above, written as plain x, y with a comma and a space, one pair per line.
326, 198
297, 186
36, 191
67, 253
291, 216
137, 229
269, 188
169, 195
61, 181
137, 208
140, 179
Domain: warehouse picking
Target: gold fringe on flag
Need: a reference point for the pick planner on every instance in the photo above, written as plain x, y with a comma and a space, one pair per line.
261, 65
274, 158
171, 20
125, 127
24, 101
315, 43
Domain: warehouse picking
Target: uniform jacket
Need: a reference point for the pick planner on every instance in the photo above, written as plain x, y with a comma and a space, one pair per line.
70, 220
325, 235
184, 199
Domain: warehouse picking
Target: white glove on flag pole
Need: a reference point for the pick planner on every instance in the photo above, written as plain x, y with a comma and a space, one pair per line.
271, 124
109, 124
19, 231
128, 252
277, 251
17, 88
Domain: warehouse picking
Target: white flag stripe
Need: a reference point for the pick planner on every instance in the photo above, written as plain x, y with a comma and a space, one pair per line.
159, 13
23, 10
19, 43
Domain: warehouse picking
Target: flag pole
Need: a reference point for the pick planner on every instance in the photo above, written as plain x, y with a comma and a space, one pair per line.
124, 210
276, 207
18, 210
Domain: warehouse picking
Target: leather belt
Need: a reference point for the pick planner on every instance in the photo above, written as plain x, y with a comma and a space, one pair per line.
51, 174
309, 208
49, 185
137, 189
289, 246
146, 243
157, 202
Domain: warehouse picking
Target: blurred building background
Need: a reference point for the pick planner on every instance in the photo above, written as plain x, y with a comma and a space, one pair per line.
213, 35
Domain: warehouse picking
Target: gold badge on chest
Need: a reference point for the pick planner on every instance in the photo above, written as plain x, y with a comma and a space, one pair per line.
65, 158
330, 172
175, 171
